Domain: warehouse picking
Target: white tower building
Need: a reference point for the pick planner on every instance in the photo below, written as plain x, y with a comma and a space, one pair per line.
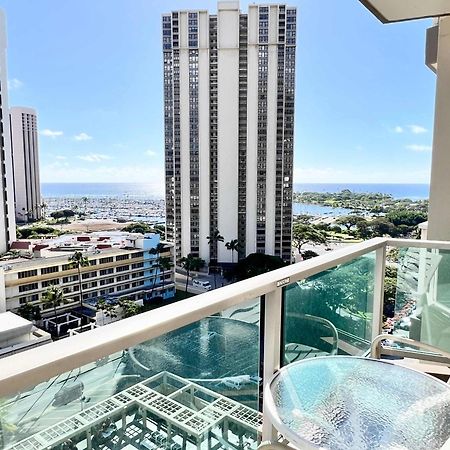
7, 220
229, 84
25, 160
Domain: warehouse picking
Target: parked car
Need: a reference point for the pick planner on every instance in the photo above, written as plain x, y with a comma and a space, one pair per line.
202, 284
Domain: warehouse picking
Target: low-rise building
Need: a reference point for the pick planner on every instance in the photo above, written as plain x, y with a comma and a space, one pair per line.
18, 334
119, 265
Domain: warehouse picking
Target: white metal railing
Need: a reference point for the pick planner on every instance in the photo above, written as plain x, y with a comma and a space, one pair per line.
18, 372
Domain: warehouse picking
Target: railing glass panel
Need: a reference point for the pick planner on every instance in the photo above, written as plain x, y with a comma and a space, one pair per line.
331, 312
195, 387
422, 296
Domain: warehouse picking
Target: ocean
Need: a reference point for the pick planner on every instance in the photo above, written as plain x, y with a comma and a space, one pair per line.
142, 190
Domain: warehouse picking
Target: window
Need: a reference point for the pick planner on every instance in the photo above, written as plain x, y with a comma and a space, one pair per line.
28, 287
121, 257
52, 269
87, 275
106, 271
137, 255
106, 260
51, 282
28, 273
122, 268
70, 279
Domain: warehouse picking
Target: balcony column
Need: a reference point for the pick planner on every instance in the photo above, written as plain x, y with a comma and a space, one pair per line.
272, 346
439, 210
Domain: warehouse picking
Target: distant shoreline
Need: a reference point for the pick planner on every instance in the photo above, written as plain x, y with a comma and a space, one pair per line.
151, 191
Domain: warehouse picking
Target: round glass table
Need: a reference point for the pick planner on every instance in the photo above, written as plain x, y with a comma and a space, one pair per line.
344, 402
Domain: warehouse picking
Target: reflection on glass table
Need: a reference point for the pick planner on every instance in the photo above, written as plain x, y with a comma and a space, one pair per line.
344, 403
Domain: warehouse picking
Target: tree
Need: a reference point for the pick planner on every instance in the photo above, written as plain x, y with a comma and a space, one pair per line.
164, 263
161, 230
233, 246
53, 297
138, 227
189, 263
29, 311
350, 221
78, 260
381, 227
130, 308
303, 234
85, 201
255, 264
43, 207
213, 240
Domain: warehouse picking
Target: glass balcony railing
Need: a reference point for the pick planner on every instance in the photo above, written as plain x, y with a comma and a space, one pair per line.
190, 374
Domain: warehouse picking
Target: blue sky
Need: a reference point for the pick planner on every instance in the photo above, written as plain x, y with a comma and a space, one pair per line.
93, 70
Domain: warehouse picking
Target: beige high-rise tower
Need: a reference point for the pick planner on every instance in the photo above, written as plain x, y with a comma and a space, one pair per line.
25, 160
229, 82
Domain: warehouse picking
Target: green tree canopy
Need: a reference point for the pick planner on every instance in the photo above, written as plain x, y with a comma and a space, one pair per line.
255, 264
139, 227
303, 234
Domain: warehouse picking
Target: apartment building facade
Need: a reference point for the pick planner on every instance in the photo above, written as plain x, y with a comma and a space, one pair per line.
229, 89
7, 219
25, 162
128, 270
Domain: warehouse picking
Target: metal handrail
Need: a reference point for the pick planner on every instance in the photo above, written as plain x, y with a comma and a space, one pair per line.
375, 348
17, 372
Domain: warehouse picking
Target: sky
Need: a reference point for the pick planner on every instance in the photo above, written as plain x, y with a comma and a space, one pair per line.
93, 71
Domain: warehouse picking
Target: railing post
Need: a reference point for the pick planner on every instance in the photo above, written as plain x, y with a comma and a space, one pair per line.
272, 344
378, 291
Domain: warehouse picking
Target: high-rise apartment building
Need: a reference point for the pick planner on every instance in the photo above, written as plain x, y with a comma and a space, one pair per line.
25, 161
7, 220
229, 84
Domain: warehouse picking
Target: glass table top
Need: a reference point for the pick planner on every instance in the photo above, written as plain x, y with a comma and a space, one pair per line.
343, 402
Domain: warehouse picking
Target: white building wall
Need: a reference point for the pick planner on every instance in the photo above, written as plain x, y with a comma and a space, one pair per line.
7, 220
203, 94
227, 119
438, 210
184, 139
271, 130
252, 130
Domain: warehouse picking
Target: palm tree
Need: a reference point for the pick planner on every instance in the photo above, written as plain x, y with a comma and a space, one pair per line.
160, 248
191, 262
233, 245
213, 239
78, 260
53, 296
43, 207
164, 264
85, 200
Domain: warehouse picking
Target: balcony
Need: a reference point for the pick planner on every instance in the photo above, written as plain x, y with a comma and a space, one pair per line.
191, 374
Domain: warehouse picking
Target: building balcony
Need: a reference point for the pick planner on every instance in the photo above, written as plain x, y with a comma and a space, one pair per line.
191, 374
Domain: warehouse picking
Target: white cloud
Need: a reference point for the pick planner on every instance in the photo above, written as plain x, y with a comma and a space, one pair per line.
94, 157
417, 129
14, 83
419, 148
150, 153
60, 157
51, 133
82, 137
